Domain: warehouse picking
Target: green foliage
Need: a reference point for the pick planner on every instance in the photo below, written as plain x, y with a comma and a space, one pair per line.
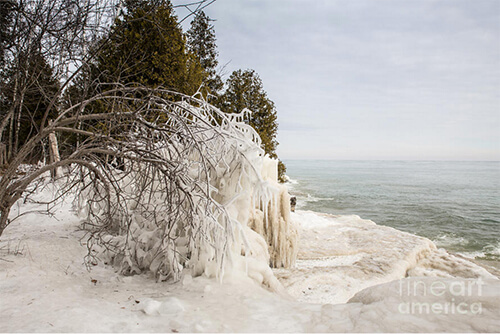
201, 42
245, 90
147, 47
281, 171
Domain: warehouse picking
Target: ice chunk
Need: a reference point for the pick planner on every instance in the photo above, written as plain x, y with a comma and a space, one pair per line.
151, 307
171, 305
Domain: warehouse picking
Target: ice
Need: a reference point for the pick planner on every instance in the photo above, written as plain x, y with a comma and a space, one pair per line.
342, 255
45, 286
187, 279
430, 305
171, 305
440, 263
220, 209
151, 307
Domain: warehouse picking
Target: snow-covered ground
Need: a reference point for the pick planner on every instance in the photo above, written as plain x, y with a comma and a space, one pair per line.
351, 276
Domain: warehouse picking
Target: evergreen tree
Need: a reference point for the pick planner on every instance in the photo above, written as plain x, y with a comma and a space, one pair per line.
201, 42
39, 88
245, 90
6, 16
147, 47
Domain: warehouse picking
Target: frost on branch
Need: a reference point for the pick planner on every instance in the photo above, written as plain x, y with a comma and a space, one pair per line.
191, 189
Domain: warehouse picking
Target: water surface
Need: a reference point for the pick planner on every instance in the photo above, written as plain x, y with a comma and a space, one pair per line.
455, 204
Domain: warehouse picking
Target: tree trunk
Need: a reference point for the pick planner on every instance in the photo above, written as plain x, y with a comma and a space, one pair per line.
54, 154
5, 122
4, 216
9, 119
11, 129
18, 124
3, 154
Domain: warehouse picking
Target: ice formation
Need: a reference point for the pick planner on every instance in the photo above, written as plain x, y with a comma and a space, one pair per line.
342, 255
45, 288
217, 208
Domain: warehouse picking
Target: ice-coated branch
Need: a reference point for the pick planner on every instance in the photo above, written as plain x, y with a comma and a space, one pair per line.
165, 182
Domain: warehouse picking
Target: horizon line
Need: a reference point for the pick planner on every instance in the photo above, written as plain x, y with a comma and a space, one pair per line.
368, 159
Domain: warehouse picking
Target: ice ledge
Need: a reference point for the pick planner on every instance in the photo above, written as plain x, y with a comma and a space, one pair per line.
342, 255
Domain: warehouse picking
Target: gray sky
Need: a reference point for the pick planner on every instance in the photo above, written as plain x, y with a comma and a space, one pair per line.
372, 79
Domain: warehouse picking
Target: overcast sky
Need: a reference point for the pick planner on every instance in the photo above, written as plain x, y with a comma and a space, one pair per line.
372, 79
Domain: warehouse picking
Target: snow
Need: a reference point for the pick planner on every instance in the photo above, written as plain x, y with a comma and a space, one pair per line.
218, 209
448, 309
362, 278
341, 255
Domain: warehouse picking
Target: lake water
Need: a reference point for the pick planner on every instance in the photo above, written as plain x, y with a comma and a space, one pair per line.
455, 204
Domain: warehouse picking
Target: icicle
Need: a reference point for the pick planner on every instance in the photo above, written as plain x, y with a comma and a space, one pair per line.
225, 186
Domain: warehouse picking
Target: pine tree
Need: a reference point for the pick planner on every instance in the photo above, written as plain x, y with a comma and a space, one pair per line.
147, 47
6, 16
245, 90
201, 41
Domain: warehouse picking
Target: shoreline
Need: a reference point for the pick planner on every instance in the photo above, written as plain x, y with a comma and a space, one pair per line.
492, 266
341, 255
453, 205
47, 288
